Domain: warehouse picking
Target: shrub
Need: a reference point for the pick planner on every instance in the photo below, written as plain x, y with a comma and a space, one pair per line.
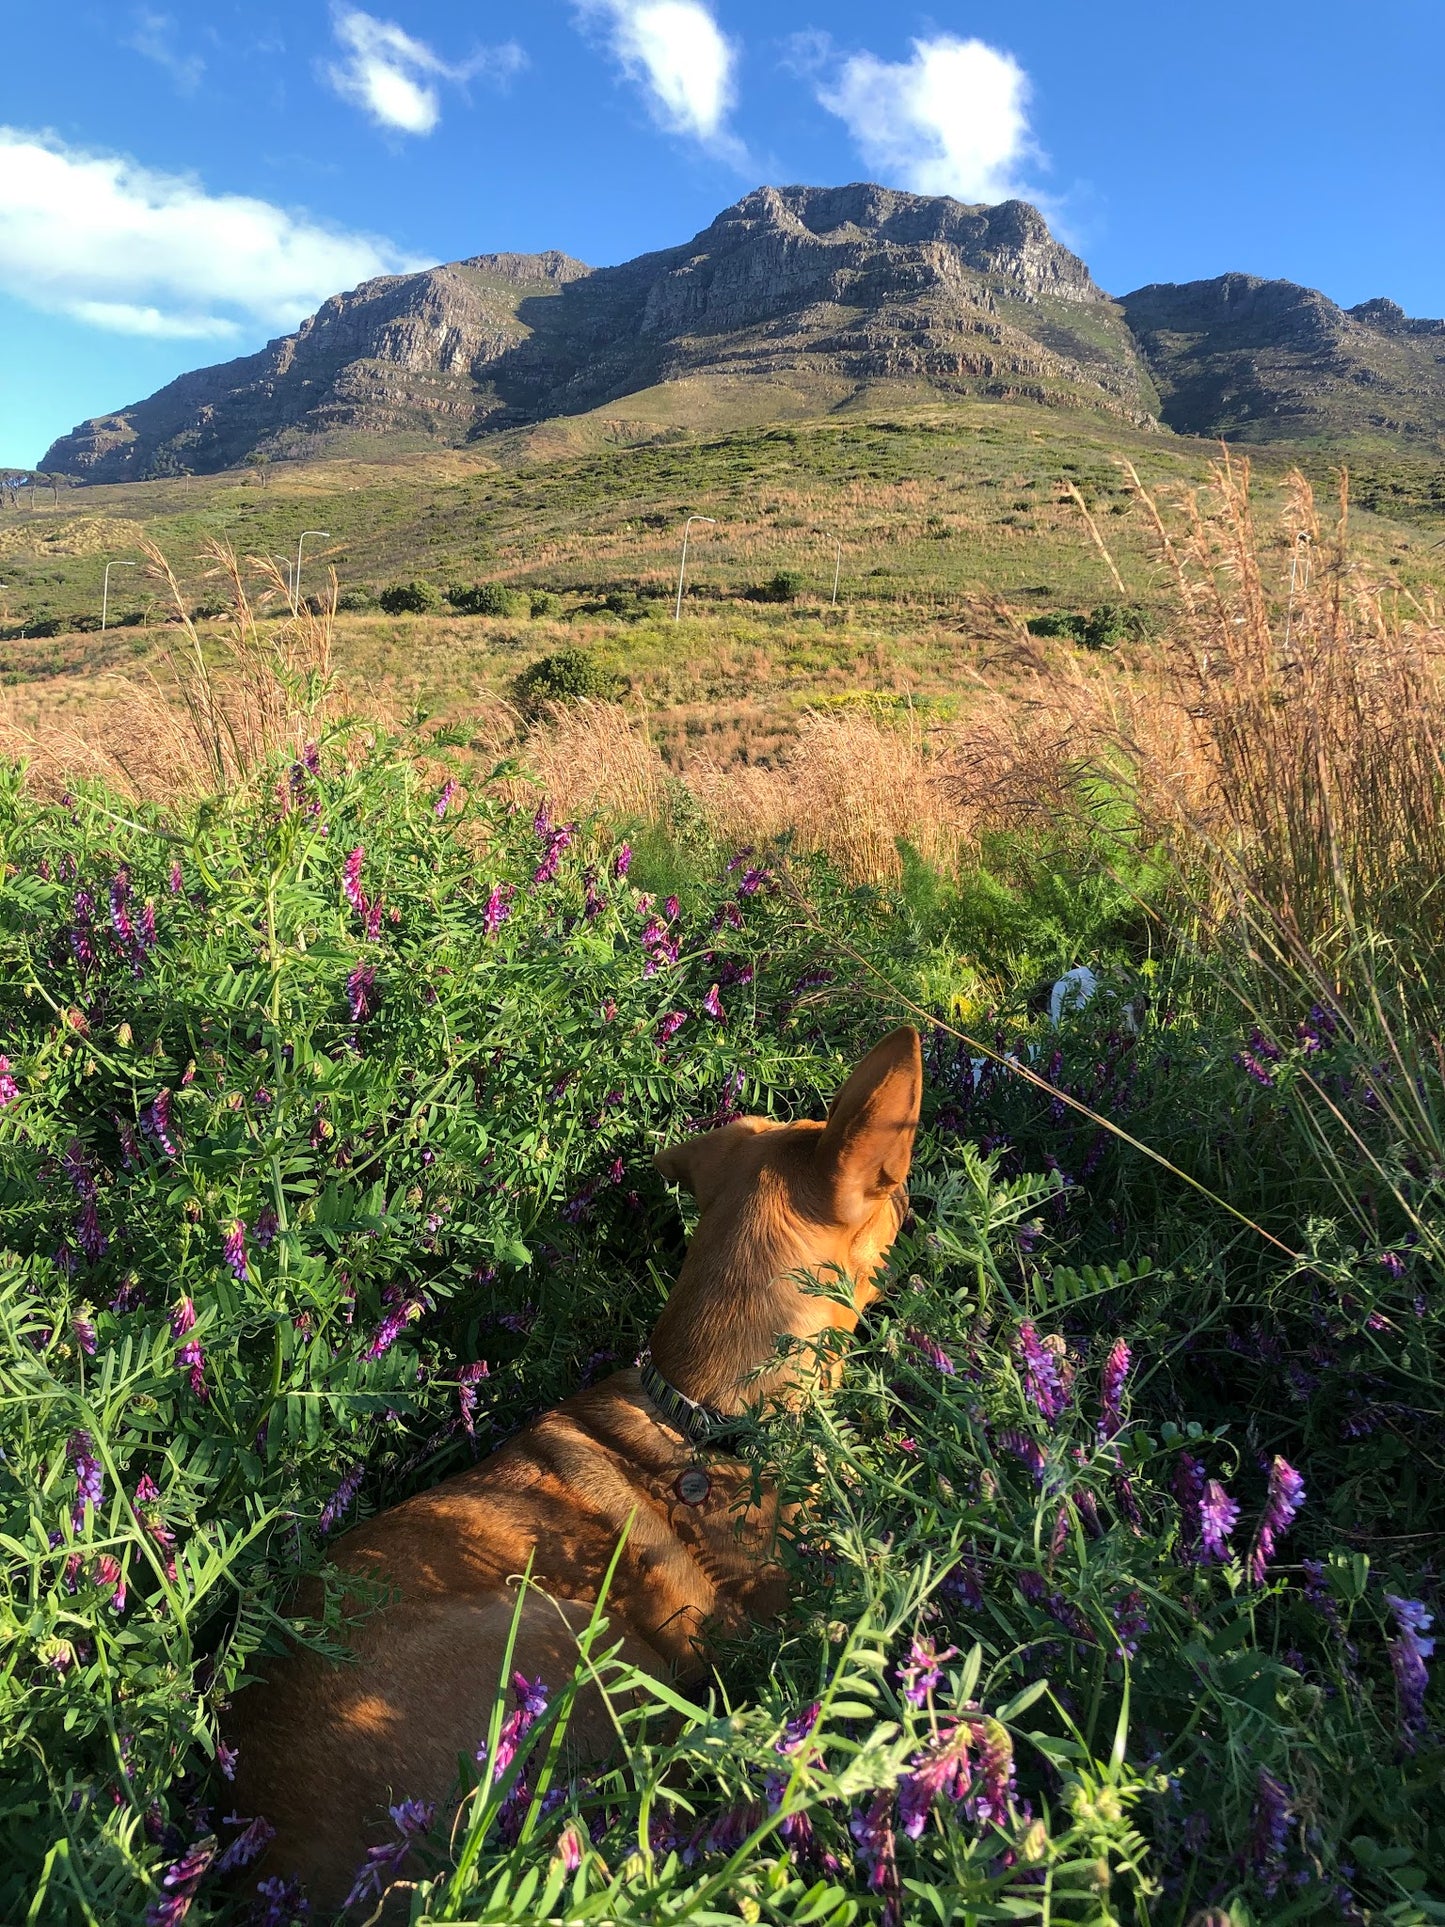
785, 586
572, 675
544, 603
355, 601
210, 611
489, 599
410, 599
1103, 628
43, 627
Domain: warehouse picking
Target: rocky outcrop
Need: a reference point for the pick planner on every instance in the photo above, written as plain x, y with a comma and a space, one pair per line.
1257, 360
852, 284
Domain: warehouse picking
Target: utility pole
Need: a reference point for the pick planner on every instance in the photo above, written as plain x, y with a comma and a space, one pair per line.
296, 579
837, 572
682, 572
105, 590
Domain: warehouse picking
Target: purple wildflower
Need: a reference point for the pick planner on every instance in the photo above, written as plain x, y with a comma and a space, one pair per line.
622, 862
995, 1771
411, 1819
531, 1697
82, 937
1042, 1379
1116, 1373
146, 926
1263, 1046
1269, 1832
340, 1502
226, 1759
921, 1672
942, 1768
351, 880
361, 995
937, 1357
109, 1578
877, 1851
1218, 1516
1408, 1656
554, 848
233, 1251
1188, 1487
395, 1322
672, 909
595, 903
83, 1330
88, 1234
445, 800
89, 1476
671, 1024
499, 908
1024, 1447
155, 1121
183, 1318
1255, 1067
569, 1847
1283, 1500
178, 881
119, 909
267, 1225
753, 881
712, 1004
468, 1379
9, 1089
282, 1902
1131, 1623
246, 1846
178, 1885
191, 1358
1393, 1263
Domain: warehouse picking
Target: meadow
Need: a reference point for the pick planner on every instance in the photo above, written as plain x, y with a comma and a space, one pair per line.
337, 1045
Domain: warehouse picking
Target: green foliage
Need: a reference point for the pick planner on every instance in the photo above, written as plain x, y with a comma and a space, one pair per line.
785, 586
1105, 627
355, 601
572, 675
427, 1081
489, 599
410, 599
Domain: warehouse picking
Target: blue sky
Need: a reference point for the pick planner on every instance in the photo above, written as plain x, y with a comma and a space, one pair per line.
179, 183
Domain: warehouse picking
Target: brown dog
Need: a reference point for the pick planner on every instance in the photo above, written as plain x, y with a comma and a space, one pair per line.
324, 1749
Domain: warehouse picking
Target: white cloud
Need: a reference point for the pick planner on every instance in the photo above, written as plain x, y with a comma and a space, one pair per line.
391, 76
952, 120
678, 53
154, 37
121, 247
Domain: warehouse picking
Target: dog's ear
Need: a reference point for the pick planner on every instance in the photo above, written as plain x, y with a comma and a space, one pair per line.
866, 1147
700, 1164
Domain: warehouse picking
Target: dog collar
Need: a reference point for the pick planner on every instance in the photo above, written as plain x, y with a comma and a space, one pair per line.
700, 1424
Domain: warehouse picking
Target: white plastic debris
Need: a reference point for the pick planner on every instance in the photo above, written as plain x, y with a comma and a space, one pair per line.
1073, 990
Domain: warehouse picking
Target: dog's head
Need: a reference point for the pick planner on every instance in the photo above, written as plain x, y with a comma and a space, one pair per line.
780, 1201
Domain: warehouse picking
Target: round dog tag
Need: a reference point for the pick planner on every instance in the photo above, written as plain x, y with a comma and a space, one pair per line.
693, 1487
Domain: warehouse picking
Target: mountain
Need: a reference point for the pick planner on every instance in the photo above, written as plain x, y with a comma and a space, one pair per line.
823, 290
1262, 361
796, 300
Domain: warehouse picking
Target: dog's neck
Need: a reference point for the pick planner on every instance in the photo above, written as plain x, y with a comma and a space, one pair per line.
737, 1294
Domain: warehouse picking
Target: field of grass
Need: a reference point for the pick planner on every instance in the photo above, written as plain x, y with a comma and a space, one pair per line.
330, 1077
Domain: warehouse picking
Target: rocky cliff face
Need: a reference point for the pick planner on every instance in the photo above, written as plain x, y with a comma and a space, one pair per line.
1256, 360
849, 284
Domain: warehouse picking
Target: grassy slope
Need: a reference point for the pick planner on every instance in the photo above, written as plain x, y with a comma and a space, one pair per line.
931, 503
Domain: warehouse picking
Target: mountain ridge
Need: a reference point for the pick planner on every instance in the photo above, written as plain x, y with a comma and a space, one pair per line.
821, 293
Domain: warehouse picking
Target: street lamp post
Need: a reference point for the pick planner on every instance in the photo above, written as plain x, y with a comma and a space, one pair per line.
105, 590
837, 572
682, 572
296, 579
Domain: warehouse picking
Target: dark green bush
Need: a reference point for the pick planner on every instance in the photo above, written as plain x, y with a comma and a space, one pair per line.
785, 586
410, 599
489, 599
1103, 628
570, 676
544, 603
43, 627
355, 601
